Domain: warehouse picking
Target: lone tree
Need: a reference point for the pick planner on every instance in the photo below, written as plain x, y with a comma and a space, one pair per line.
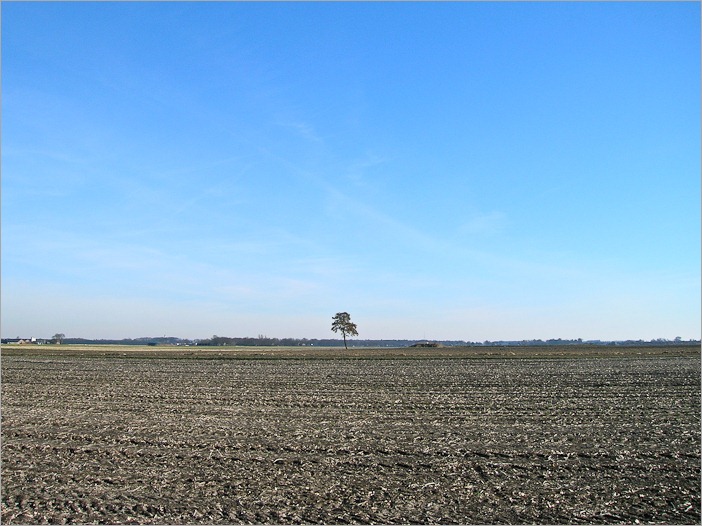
342, 322
58, 337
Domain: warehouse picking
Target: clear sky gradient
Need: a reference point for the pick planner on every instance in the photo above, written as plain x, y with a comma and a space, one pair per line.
461, 171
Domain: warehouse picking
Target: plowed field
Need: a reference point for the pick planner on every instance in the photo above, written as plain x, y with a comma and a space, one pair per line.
161, 439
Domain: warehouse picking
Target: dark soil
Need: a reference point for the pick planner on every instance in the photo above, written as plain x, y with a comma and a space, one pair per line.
98, 439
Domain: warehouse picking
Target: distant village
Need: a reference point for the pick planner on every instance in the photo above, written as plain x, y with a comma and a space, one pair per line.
27, 341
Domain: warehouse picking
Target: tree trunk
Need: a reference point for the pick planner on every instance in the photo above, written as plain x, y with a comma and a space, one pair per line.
344, 334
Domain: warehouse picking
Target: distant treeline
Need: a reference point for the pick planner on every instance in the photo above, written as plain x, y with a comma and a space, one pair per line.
264, 341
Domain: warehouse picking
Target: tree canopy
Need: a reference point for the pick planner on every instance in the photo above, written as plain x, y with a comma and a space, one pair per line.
341, 322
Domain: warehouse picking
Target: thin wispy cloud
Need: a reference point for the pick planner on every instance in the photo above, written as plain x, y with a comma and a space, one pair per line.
303, 130
485, 224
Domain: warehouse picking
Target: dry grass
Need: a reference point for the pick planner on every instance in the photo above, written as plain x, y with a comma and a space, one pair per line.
339, 353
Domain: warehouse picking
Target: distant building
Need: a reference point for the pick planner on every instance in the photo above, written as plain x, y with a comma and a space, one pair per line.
24, 341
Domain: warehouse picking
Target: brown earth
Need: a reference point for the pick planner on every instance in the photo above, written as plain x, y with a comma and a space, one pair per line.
142, 436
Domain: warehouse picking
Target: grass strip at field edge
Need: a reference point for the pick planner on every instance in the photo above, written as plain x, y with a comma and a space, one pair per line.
358, 353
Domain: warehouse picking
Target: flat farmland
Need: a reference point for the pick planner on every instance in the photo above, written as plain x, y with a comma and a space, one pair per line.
470, 436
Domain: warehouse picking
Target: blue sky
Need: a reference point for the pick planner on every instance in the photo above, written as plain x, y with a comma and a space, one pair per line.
439, 170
